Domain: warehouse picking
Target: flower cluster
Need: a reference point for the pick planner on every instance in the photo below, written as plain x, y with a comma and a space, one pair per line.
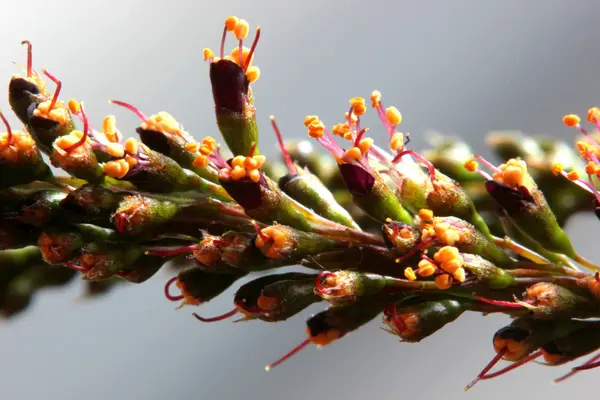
419, 237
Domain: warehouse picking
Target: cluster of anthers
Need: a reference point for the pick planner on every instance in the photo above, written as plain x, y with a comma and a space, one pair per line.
446, 267
243, 167
203, 150
589, 151
240, 55
513, 173
14, 144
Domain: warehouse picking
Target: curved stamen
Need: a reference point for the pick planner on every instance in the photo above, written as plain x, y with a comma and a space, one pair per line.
218, 317
485, 370
419, 157
286, 156
499, 303
8, 130
222, 52
29, 57
86, 128
512, 366
589, 364
56, 91
168, 294
169, 253
251, 53
131, 108
292, 352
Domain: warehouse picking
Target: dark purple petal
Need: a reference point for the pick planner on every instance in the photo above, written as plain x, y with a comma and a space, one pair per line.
156, 140
357, 179
247, 194
511, 200
229, 85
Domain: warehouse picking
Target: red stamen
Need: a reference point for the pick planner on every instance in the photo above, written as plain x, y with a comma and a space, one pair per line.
169, 253
252, 149
288, 355
499, 303
251, 53
399, 324
259, 231
168, 294
57, 91
217, 318
131, 108
75, 266
8, 130
319, 285
222, 53
29, 57
512, 366
590, 364
419, 157
395, 230
86, 128
286, 156
489, 366
420, 247
359, 136
431, 260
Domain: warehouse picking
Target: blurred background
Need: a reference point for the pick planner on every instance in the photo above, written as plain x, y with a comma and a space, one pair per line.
460, 67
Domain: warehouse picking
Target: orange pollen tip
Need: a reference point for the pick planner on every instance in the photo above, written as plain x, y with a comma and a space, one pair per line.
375, 98
324, 338
573, 176
425, 214
397, 141
115, 150
591, 168
252, 73
409, 273
208, 54
231, 22
471, 165
571, 120
242, 28
200, 161
593, 114
192, 147
557, 168
393, 116
365, 145
74, 106
443, 281
309, 119
354, 153
131, 146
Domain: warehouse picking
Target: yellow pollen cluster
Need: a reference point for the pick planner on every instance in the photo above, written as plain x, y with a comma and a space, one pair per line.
571, 120
586, 150
242, 167
205, 149
397, 141
393, 116
315, 126
74, 106
557, 168
353, 119
109, 128
513, 173
342, 130
163, 122
235, 56
446, 233
272, 241
425, 214
65, 142
592, 168
471, 165
451, 262
59, 113
358, 106
593, 115
375, 98
358, 152
119, 168
21, 143
208, 54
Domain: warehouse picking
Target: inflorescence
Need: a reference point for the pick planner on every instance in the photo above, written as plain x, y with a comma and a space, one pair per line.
417, 237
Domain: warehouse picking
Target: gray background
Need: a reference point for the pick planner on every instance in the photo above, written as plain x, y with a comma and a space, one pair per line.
462, 67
